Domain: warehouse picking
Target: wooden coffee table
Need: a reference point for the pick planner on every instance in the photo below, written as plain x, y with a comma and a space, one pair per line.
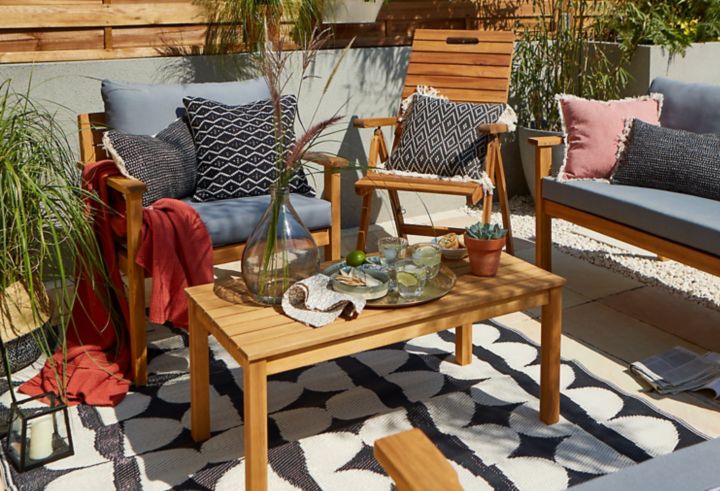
264, 341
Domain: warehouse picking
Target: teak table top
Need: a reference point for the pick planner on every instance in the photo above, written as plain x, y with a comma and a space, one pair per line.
252, 332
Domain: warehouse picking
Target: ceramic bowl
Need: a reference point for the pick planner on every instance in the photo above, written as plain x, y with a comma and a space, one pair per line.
452, 254
366, 292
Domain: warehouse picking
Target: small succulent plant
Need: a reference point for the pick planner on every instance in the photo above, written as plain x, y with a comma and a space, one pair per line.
485, 231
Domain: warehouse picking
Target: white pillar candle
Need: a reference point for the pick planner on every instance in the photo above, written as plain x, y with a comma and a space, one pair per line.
41, 437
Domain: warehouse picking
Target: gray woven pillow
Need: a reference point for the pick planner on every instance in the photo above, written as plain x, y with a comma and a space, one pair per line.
165, 162
669, 159
441, 138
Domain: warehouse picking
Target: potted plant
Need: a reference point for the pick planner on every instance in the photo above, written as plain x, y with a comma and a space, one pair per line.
484, 243
45, 229
668, 37
557, 55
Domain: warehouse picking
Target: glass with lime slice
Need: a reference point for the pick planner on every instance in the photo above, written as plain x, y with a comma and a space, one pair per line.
428, 255
411, 278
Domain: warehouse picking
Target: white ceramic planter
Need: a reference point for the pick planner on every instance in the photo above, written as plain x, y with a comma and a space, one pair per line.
351, 11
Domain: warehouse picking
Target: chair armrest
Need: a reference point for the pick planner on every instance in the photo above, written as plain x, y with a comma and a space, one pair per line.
326, 160
546, 141
374, 122
493, 129
127, 187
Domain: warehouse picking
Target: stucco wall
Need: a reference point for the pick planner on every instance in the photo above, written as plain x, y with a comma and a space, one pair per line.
700, 63
368, 84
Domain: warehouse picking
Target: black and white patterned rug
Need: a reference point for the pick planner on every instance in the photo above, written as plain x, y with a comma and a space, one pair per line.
325, 418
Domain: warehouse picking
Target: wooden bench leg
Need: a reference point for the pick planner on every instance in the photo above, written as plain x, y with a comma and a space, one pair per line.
199, 377
463, 344
550, 336
255, 425
136, 291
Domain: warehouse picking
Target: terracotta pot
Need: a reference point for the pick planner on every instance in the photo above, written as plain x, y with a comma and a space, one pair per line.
484, 255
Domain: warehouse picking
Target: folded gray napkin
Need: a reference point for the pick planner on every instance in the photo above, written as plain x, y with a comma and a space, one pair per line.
313, 302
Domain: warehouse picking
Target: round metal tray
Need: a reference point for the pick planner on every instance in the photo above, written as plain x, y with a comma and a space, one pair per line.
436, 288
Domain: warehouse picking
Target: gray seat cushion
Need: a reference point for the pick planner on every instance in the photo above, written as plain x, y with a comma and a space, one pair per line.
689, 106
231, 221
144, 109
693, 468
682, 218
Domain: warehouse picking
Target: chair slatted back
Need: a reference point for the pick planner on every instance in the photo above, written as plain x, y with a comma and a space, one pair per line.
463, 65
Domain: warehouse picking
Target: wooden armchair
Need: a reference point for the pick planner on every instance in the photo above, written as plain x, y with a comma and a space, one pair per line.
465, 66
92, 127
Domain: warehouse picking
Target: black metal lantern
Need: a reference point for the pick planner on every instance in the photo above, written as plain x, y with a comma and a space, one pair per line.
38, 434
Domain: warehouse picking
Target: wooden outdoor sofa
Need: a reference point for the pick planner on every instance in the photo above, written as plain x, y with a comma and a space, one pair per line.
675, 226
92, 127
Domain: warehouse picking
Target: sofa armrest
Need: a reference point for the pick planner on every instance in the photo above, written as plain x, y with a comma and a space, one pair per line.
127, 187
546, 141
493, 129
374, 122
326, 160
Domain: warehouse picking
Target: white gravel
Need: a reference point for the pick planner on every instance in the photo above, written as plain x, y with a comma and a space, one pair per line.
675, 277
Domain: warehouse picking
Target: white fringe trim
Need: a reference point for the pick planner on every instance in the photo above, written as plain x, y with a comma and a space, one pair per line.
509, 118
562, 175
484, 181
424, 90
622, 144
119, 162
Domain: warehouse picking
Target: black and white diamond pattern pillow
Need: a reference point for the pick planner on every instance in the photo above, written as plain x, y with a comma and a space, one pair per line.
166, 162
236, 147
441, 139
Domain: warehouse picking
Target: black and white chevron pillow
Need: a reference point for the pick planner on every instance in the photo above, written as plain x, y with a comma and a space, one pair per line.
165, 162
236, 148
441, 138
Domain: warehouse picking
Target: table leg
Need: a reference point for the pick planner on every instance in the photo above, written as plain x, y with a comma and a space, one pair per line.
463, 344
255, 425
550, 358
199, 377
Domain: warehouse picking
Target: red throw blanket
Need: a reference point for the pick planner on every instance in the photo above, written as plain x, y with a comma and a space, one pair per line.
177, 251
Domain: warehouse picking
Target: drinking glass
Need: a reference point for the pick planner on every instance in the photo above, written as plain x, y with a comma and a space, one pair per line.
411, 278
428, 255
392, 249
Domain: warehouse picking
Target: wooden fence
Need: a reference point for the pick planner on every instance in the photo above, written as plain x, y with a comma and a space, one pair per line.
64, 30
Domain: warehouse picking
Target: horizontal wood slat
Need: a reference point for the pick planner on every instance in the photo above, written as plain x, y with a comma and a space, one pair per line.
461, 59
456, 82
467, 95
452, 69
484, 48
66, 30
91, 15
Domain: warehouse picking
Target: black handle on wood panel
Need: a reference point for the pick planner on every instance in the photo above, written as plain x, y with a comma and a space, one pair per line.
459, 40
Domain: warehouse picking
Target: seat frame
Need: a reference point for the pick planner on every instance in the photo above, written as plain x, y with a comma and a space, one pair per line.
92, 126
467, 66
546, 210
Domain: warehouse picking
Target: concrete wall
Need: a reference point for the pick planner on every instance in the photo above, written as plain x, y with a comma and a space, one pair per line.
701, 63
368, 84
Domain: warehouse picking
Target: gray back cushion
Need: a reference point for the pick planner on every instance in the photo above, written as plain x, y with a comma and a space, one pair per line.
143, 109
689, 106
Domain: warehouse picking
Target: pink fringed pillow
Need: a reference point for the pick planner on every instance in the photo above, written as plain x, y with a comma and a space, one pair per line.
593, 130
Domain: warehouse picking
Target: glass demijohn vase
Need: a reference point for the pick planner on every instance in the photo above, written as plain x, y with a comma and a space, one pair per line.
279, 252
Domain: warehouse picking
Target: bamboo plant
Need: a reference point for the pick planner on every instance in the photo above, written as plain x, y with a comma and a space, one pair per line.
558, 55
46, 232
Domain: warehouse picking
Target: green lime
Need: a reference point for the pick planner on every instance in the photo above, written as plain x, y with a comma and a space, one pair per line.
407, 280
355, 258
